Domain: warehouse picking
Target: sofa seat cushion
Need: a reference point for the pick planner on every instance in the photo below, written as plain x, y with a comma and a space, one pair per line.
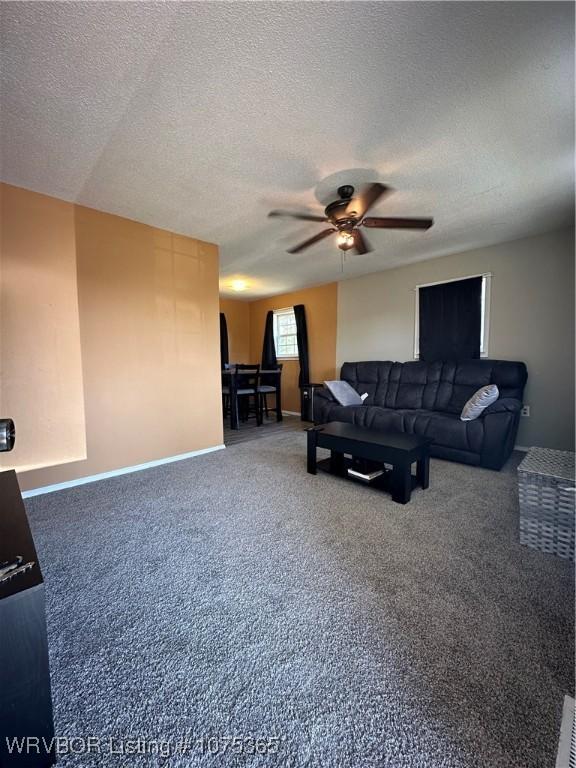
446, 429
383, 419
349, 414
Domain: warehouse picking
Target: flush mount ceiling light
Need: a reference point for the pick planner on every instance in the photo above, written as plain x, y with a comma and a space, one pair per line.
348, 214
239, 285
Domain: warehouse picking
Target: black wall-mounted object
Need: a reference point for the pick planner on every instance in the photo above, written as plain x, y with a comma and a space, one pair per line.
25, 697
7, 434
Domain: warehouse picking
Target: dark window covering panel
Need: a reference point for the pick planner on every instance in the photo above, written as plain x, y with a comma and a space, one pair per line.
450, 320
224, 360
269, 360
302, 338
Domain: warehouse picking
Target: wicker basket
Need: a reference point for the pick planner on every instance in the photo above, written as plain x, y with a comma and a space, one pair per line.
547, 501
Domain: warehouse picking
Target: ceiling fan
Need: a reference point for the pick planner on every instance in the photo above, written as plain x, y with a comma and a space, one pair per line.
348, 214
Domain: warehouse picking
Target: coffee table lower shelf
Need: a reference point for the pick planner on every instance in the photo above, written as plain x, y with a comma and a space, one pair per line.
382, 482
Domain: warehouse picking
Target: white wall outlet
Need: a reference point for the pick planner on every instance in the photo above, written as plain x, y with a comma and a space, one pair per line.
525, 410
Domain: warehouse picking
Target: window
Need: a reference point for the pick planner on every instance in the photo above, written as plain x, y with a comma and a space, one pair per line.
484, 317
285, 333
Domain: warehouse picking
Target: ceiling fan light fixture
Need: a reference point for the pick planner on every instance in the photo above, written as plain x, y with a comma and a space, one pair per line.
345, 241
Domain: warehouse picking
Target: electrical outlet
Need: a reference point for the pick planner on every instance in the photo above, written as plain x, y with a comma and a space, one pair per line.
525, 410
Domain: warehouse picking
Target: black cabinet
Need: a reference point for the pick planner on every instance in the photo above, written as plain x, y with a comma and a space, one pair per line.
307, 400
26, 723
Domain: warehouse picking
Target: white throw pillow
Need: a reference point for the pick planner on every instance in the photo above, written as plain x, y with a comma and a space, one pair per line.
343, 393
480, 400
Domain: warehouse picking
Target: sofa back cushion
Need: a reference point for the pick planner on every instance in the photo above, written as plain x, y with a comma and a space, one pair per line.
418, 385
437, 386
373, 377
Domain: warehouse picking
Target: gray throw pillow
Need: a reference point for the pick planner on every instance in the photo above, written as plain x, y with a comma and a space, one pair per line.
343, 393
480, 400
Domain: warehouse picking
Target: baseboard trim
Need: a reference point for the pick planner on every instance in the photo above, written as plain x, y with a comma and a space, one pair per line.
566, 754
118, 472
291, 413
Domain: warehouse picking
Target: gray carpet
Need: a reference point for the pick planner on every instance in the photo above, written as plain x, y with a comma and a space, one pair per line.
233, 595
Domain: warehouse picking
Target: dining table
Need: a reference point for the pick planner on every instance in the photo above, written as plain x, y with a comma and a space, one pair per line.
230, 375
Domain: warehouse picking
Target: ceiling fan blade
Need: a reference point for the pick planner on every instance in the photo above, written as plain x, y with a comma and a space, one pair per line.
360, 205
360, 242
311, 240
396, 223
296, 215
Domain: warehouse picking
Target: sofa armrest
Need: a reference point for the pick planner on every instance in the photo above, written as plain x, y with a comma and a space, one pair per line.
500, 421
324, 394
323, 404
505, 404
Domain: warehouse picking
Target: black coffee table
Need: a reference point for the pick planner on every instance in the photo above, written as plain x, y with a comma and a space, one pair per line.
392, 448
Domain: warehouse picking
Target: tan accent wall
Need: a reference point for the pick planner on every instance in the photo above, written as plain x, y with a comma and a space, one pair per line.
531, 319
149, 339
238, 322
321, 312
40, 356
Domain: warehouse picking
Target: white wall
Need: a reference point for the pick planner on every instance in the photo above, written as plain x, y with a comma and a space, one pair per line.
531, 319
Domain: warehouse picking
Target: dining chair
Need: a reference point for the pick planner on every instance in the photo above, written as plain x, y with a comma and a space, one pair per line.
268, 386
244, 383
226, 387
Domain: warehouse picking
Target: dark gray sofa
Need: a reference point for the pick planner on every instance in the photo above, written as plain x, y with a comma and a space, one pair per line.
427, 399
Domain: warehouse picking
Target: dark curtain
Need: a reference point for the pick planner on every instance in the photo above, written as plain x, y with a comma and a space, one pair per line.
450, 320
303, 356
223, 341
269, 348
302, 338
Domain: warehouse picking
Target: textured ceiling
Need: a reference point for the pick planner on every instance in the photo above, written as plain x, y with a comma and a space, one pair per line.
201, 117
